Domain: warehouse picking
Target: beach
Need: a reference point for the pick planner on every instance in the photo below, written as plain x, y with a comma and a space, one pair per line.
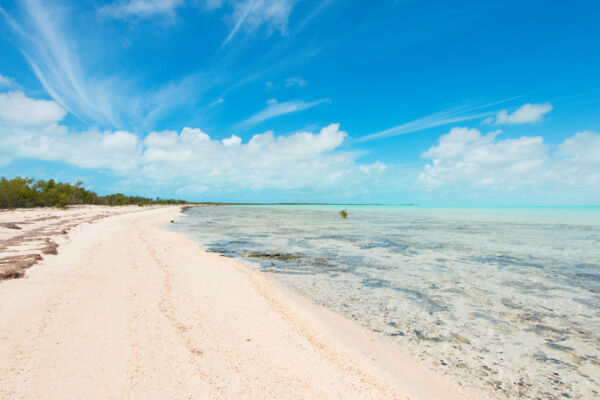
499, 299
127, 309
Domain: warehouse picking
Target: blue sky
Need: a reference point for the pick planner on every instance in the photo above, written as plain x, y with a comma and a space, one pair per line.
446, 102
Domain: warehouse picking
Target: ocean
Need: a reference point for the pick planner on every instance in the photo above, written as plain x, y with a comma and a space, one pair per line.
504, 299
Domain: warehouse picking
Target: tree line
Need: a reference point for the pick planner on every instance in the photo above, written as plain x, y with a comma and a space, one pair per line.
25, 192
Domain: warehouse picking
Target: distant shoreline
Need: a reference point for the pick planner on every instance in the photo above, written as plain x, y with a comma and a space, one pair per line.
296, 204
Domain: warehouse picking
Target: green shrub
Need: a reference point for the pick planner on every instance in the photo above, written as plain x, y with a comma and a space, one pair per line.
343, 213
25, 192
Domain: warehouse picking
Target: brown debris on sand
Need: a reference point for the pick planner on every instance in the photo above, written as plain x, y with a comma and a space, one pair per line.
31, 232
50, 248
10, 225
13, 266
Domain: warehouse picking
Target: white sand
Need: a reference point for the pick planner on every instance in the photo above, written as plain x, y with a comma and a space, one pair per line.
128, 310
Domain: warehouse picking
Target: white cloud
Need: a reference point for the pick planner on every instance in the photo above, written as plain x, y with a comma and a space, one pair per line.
191, 161
441, 118
582, 147
465, 155
287, 82
275, 109
53, 52
528, 113
466, 159
213, 4
17, 108
579, 164
56, 65
296, 81
5, 81
118, 151
252, 14
376, 167
140, 8
232, 141
194, 135
218, 101
300, 160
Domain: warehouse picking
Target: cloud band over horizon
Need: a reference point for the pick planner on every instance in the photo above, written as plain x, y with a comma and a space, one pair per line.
196, 164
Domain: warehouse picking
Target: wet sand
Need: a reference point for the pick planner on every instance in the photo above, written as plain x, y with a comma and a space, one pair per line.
129, 310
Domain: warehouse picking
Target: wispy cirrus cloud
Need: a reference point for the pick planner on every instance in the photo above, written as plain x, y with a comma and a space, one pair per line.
49, 45
249, 15
421, 124
275, 109
442, 118
295, 81
247, 8
216, 102
140, 8
5, 81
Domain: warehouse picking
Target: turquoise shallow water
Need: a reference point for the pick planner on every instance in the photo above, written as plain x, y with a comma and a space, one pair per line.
507, 299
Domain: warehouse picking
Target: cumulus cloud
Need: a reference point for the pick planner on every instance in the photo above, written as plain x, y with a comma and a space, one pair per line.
192, 162
117, 151
468, 159
579, 166
300, 161
582, 147
275, 109
17, 108
266, 161
528, 113
232, 141
465, 155
140, 8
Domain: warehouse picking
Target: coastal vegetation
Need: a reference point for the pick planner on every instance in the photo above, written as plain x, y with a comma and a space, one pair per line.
26, 192
343, 213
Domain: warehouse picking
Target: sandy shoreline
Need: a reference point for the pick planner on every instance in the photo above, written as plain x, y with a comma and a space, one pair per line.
129, 310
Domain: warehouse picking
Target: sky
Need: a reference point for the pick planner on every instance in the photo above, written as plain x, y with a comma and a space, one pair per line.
401, 101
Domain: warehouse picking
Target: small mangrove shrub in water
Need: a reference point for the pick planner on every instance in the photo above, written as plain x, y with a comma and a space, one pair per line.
343, 213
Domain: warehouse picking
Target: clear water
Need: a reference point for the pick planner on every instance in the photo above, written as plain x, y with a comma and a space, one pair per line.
507, 299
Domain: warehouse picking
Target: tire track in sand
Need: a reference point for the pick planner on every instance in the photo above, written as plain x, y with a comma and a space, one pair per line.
167, 308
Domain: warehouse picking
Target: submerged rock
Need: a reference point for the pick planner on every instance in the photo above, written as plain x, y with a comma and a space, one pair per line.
541, 328
559, 347
460, 338
273, 256
396, 334
422, 336
510, 304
